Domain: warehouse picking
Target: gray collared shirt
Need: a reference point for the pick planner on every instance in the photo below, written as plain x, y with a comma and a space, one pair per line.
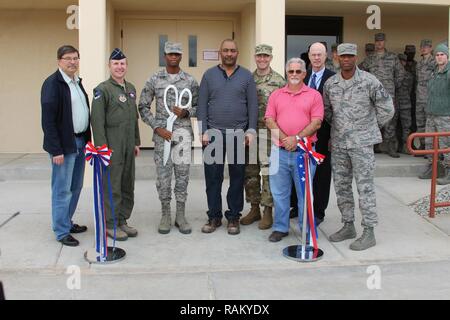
80, 110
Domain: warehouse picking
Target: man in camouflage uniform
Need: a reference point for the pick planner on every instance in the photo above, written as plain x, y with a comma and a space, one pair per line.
425, 68
267, 81
356, 106
411, 66
115, 124
404, 103
369, 50
333, 64
387, 68
181, 136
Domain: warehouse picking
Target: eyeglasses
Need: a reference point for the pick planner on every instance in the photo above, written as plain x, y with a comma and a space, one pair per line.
295, 71
76, 59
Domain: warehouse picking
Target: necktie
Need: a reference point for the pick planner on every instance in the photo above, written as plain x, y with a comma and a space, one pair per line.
313, 81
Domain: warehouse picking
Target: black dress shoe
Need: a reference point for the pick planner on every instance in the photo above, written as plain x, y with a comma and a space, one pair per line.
78, 229
318, 221
69, 241
277, 236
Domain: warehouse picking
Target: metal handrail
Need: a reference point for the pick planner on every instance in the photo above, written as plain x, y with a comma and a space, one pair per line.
435, 151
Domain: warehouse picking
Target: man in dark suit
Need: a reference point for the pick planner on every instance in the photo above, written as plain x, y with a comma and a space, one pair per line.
66, 126
315, 78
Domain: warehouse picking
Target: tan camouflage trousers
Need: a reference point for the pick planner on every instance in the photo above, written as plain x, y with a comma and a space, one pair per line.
358, 163
439, 124
253, 174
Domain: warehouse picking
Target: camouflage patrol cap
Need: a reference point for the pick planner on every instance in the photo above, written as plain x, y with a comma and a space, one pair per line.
380, 37
263, 49
172, 47
370, 47
410, 48
334, 47
402, 57
347, 48
426, 43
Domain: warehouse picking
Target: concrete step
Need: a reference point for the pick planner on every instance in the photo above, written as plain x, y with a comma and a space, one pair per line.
37, 166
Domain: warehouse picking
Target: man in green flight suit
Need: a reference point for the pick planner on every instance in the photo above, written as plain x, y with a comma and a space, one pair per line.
114, 121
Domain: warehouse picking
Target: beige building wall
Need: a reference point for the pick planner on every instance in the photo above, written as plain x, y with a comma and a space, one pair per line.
28, 43
399, 32
30, 36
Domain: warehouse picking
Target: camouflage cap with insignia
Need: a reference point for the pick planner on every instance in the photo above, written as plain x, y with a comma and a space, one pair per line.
402, 57
172, 47
347, 48
410, 48
426, 43
263, 49
380, 37
370, 47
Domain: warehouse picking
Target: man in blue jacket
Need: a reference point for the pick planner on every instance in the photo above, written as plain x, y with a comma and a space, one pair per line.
65, 122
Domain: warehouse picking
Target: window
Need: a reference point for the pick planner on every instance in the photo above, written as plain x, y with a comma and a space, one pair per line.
192, 51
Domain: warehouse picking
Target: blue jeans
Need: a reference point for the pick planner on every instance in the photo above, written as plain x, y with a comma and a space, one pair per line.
214, 178
67, 182
283, 169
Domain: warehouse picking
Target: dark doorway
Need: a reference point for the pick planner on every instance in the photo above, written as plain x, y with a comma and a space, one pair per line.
302, 31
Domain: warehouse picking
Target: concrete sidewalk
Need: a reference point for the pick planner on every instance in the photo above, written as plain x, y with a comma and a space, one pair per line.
36, 166
412, 253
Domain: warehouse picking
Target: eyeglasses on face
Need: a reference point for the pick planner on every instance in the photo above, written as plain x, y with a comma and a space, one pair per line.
295, 71
70, 59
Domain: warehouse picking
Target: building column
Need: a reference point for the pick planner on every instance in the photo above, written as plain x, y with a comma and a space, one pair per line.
93, 56
247, 37
92, 42
270, 29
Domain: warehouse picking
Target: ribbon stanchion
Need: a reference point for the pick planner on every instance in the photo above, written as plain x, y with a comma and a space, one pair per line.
309, 250
99, 159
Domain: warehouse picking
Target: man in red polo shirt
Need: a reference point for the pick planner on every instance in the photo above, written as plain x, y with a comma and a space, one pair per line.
293, 112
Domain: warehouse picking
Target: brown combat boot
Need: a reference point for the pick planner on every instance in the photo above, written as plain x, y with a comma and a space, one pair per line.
267, 219
212, 225
252, 216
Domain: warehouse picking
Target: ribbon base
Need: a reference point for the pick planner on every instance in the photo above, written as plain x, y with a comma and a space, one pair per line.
114, 255
302, 253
